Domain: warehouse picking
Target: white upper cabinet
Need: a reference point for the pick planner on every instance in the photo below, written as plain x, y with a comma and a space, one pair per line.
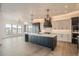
61, 25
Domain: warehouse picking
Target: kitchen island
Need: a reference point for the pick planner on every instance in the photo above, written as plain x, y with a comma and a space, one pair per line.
46, 40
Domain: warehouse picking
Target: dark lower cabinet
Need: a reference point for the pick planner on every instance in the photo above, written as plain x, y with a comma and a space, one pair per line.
75, 38
26, 37
78, 43
49, 42
75, 41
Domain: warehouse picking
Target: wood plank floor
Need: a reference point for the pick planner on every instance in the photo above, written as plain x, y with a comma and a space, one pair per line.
18, 47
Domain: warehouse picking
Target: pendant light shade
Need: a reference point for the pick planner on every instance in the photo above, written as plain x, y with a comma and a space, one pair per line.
47, 20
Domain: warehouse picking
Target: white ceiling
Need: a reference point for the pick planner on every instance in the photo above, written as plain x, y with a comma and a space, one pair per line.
37, 9
58, 7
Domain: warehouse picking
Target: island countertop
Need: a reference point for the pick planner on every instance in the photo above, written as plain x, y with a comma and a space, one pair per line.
45, 35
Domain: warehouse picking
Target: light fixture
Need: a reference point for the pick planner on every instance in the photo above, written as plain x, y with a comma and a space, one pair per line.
47, 20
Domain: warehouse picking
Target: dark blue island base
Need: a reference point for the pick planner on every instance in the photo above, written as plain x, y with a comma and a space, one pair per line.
49, 42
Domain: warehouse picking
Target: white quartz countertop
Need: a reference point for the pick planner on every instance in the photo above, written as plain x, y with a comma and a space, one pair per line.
45, 35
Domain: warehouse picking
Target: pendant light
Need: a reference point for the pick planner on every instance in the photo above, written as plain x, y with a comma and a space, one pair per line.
47, 20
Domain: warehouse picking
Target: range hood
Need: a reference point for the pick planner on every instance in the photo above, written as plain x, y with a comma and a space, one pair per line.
47, 20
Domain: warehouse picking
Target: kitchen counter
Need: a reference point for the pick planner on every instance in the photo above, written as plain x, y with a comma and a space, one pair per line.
45, 35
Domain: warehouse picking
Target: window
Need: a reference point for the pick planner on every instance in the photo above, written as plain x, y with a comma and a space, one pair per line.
8, 28
19, 29
14, 29
30, 28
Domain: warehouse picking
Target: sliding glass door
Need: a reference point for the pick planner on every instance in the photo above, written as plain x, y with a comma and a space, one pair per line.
19, 29
13, 29
8, 29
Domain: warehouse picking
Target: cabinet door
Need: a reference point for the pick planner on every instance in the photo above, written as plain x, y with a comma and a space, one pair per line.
38, 39
62, 24
46, 41
59, 38
69, 37
66, 24
64, 37
55, 25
